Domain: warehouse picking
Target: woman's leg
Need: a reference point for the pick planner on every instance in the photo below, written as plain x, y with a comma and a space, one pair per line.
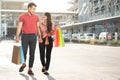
48, 52
42, 53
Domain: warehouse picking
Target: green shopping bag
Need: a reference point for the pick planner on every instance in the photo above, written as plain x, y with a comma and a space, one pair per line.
61, 39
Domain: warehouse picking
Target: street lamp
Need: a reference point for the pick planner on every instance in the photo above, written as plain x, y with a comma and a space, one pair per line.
72, 25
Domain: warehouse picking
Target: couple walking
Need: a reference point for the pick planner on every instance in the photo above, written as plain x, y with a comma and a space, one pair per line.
30, 26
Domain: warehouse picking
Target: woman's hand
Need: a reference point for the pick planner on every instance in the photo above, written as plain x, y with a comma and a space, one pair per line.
40, 40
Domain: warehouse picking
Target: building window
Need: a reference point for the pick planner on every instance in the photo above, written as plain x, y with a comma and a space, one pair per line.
102, 9
118, 1
84, 28
117, 7
101, 1
96, 10
95, 2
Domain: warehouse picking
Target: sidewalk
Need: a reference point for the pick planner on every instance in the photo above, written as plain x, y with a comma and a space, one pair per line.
72, 62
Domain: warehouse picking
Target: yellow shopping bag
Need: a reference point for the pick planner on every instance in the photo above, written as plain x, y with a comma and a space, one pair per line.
61, 39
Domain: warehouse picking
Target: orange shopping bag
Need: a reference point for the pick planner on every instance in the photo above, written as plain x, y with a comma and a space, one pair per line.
56, 42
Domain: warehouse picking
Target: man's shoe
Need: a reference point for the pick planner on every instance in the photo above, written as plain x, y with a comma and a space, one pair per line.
22, 67
30, 72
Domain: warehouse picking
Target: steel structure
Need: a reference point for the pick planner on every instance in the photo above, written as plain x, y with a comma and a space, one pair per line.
101, 9
96, 16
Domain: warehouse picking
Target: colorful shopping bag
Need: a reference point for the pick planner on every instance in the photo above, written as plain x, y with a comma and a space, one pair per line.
61, 39
17, 55
56, 42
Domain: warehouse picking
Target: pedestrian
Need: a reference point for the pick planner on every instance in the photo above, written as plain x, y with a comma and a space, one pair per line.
46, 42
29, 27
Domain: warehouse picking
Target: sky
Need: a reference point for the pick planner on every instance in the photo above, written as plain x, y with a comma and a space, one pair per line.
52, 5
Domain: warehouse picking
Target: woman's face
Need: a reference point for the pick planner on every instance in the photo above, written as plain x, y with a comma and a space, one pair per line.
44, 17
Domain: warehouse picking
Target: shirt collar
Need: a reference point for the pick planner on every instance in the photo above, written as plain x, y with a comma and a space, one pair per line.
29, 14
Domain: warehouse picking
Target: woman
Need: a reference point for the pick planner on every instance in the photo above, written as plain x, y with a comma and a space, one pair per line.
46, 41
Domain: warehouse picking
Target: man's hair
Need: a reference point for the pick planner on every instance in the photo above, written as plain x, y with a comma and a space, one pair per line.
32, 4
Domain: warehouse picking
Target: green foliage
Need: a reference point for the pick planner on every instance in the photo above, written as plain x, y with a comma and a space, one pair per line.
115, 43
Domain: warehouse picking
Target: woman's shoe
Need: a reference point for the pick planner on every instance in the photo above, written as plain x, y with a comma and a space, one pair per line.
43, 69
46, 73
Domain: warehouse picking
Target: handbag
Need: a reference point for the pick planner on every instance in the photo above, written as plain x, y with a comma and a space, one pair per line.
17, 55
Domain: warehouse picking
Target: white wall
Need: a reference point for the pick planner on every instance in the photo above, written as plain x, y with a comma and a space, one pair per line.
18, 0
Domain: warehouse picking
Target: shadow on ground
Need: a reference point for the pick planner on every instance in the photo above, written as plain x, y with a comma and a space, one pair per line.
50, 77
27, 77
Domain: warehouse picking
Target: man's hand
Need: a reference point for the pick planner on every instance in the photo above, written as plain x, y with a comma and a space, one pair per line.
17, 39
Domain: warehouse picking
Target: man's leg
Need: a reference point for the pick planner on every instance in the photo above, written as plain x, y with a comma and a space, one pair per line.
25, 42
32, 46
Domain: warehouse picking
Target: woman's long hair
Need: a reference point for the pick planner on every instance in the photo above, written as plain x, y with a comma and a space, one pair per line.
49, 22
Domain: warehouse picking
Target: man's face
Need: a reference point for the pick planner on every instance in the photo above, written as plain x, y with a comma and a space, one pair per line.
32, 9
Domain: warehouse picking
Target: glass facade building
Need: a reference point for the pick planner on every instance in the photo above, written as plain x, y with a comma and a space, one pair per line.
96, 16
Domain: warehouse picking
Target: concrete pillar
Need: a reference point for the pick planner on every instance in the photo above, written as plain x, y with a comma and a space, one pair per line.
0, 16
15, 24
116, 36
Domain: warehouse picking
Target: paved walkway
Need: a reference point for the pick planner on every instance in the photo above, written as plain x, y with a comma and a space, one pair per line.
72, 62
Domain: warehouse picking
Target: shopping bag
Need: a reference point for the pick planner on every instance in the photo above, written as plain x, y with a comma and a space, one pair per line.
61, 39
22, 55
56, 41
18, 55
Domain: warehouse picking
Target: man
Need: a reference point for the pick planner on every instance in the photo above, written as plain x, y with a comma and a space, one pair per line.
29, 26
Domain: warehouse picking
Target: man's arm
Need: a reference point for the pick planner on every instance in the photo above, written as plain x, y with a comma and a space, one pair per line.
18, 31
39, 32
38, 29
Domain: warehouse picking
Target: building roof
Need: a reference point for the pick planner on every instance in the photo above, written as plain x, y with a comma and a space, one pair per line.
91, 21
16, 0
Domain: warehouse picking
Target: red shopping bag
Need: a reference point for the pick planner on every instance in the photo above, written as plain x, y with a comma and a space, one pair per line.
56, 42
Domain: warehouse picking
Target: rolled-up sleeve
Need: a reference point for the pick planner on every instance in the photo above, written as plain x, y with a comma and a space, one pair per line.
21, 19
